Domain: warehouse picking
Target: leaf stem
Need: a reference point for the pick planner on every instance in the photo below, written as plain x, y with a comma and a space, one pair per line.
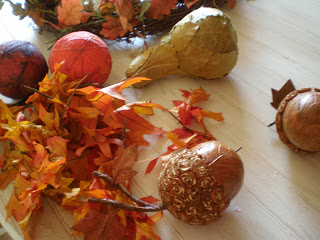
117, 204
35, 90
71, 96
109, 179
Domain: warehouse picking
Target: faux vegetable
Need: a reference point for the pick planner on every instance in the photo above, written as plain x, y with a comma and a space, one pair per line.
202, 45
21, 65
81, 53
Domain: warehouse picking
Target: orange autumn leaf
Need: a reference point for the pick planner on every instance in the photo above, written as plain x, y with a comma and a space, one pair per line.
36, 15
196, 95
112, 28
159, 8
176, 140
46, 117
137, 123
101, 226
69, 13
48, 166
40, 155
116, 89
123, 163
146, 108
212, 115
157, 216
58, 145
135, 137
7, 176
126, 12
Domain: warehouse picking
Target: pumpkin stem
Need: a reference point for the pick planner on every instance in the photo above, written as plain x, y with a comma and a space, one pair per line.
146, 207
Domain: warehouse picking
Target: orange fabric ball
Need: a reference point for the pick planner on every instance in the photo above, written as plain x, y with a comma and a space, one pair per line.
82, 53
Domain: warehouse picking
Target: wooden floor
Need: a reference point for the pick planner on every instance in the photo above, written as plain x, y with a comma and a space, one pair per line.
280, 198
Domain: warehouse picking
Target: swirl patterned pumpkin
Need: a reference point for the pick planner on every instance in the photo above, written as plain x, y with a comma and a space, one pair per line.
197, 185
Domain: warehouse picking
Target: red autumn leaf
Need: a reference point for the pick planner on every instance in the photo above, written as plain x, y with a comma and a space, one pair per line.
150, 199
69, 13
231, 3
136, 123
182, 133
99, 226
184, 112
159, 8
123, 163
151, 165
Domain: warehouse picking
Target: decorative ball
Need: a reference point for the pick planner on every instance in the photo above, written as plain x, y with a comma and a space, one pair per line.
21, 64
197, 185
298, 120
82, 53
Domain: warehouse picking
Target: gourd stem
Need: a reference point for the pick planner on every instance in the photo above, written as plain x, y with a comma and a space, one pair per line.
117, 204
109, 179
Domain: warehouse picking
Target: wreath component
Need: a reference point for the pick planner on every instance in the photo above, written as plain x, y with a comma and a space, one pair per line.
112, 19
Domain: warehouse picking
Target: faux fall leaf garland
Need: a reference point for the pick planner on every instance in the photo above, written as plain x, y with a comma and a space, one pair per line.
108, 18
66, 131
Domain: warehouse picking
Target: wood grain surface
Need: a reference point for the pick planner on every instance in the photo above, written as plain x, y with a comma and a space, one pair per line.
280, 198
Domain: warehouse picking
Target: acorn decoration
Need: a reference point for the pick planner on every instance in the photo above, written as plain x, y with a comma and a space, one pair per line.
196, 185
298, 117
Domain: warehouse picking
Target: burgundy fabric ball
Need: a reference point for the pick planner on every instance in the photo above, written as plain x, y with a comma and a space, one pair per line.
21, 64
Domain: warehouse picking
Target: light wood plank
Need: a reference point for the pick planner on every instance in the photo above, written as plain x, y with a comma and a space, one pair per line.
278, 40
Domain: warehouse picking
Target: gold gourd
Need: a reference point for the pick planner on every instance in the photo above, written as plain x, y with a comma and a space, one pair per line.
202, 45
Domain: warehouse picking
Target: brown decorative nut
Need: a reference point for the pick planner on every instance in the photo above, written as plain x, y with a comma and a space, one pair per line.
197, 185
298, 120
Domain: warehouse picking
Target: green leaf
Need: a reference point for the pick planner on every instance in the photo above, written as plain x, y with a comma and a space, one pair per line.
144, 7
1, 4
18, 10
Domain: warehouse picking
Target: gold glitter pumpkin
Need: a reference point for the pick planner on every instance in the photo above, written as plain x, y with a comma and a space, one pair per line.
197, 185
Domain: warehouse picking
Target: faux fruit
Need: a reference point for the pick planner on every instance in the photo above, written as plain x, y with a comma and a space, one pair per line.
21, 64
196, 185
81, 53
202, 45
298, 120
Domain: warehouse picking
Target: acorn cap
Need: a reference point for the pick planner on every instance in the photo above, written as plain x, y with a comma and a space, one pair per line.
298, 120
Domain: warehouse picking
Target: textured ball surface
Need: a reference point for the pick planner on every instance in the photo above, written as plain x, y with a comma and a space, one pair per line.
21, 63
197, 185
82, 53
298, 120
